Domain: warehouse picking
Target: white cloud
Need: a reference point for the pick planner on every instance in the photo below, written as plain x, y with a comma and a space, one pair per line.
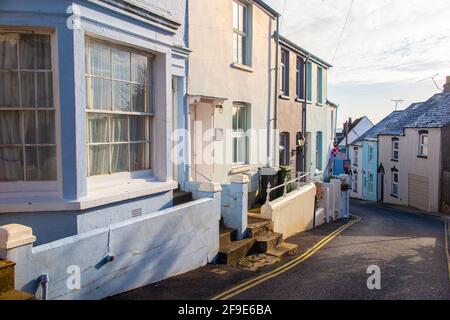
386, 41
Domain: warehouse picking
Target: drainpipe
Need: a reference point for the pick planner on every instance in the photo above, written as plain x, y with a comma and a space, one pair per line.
277, 46
305, 92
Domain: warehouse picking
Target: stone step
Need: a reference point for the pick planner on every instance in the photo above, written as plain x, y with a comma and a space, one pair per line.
227, 235
258, 227
16, 295
232, 252
268, 241
6, 276
283, 250
181, 197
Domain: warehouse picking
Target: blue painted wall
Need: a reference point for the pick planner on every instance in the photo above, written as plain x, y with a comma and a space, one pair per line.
369, 167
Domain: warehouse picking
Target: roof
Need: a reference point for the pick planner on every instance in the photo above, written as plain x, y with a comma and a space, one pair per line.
352, 126
304, 52
433, 113
372, 134
266, 7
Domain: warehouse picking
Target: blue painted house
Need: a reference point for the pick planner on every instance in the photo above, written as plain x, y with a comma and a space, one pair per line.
90, 93
364, 156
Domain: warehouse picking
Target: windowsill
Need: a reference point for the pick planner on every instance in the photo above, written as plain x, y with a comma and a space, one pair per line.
242, 67
394, 160
240, 169
284, 97
422, 156
319, 104
394, 196
299, 100
98, 196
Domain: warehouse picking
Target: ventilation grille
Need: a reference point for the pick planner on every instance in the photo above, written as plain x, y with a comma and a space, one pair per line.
136, 213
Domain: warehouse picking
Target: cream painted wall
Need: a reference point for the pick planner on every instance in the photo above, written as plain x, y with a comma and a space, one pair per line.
410, 163
211, 72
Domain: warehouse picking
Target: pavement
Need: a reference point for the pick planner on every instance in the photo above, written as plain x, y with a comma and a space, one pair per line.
410, 250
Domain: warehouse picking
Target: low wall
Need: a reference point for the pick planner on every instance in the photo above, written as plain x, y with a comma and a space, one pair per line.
145, 250
294, 213
328, 201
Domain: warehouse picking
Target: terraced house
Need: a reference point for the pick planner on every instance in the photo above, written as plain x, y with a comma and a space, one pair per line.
306, 120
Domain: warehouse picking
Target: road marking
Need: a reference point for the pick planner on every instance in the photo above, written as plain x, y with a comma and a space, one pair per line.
274, 273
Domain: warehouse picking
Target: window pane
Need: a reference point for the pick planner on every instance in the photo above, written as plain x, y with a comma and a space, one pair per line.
27, 51
9, 95
120, 64
121, 96
100, 60
11, 161
119, 158
8, 51
138, 97
139, 128
138, 68
242, 118
29, 121
47, 163
28, 89
101, 94
140, 156
98, 160
31, 166
241, 149
242, 16
98, 128
43, 53
10, 127
235, 15
46, 127
119, 128
44, 90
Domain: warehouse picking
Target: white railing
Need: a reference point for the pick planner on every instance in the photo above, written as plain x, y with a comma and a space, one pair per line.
298, 180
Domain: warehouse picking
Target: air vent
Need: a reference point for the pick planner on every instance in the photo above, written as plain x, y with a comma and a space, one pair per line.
136, 213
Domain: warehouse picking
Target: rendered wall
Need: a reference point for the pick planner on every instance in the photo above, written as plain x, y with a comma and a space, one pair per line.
145, 249
294, 213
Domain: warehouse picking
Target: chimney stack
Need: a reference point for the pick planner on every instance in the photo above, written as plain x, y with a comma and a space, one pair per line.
447, 85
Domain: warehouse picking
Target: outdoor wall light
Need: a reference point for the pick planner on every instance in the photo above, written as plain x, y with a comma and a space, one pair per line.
219, 107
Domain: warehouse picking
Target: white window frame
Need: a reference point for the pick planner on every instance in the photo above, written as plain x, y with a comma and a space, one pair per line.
423, 147
371, 153
371, 181
284, 66
320, 95
355, 181
395, 174
355, 156
110, 177
395, 149
244, 60
241, 134
40, 188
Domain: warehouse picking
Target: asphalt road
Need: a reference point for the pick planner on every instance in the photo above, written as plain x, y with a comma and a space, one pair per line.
408, 248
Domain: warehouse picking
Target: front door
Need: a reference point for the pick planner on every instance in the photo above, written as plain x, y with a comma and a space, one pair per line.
202, 153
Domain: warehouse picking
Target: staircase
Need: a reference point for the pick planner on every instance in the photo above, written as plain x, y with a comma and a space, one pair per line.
260, 239
181, 197
7, 291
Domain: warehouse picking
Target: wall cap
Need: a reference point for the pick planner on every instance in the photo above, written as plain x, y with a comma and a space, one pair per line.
15, 235
240, 179
210, 187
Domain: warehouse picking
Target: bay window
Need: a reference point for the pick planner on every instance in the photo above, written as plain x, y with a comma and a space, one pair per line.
241, 119
119, 108
27, 110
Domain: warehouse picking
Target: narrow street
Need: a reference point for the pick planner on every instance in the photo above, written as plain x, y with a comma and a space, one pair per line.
408, 248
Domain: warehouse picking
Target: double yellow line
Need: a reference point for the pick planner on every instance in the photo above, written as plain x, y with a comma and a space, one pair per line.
274, 273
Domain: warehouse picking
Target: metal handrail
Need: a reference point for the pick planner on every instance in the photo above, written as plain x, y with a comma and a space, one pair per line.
300, 176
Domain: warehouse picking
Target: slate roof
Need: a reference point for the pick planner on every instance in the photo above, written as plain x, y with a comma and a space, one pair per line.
352, 126
433, 113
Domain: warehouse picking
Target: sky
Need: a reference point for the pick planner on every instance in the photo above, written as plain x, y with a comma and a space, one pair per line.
388, 50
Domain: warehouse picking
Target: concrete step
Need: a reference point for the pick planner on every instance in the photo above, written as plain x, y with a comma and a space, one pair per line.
6, 276
227, 235
232, 252
258, 227
283, 250
181, 197
268, 241
16, 295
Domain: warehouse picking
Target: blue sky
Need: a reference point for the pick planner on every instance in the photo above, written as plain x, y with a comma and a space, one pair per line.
387, 49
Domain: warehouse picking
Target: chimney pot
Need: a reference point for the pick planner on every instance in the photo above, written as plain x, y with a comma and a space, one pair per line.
447, 85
